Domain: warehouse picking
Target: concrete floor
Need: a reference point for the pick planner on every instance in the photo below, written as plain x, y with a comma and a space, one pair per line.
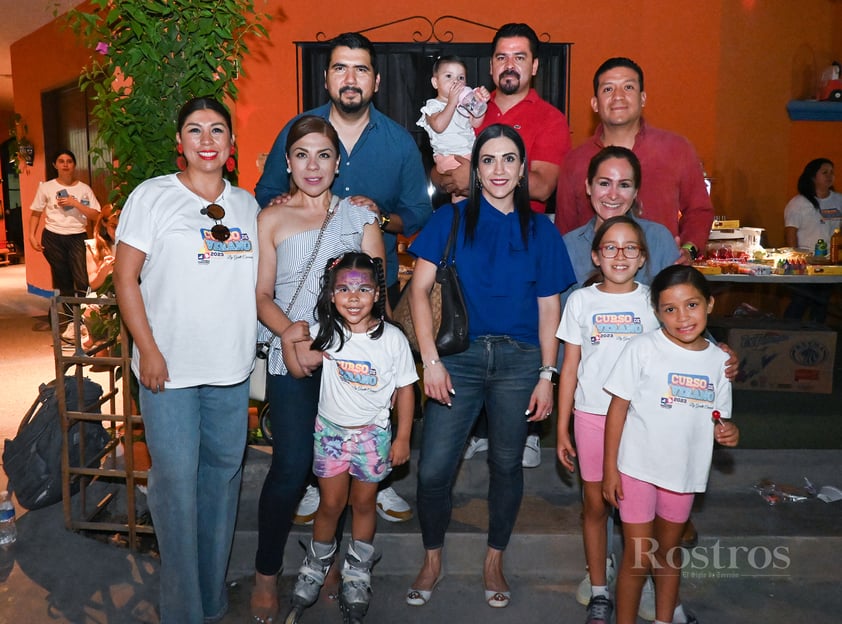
26, 356
755, 562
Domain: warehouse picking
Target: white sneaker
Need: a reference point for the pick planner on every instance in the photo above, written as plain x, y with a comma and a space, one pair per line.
532, 454
69, 333
475, 445
646, 611
391, 507
306, 511
583, 592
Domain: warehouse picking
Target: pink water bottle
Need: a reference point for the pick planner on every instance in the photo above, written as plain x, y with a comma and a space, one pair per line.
471, 103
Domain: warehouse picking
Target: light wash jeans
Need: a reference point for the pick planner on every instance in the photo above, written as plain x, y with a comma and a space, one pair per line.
196, 437
500, 373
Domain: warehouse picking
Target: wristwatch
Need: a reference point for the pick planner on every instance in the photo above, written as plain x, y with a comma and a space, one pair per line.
384, 221
691, 250
550, 373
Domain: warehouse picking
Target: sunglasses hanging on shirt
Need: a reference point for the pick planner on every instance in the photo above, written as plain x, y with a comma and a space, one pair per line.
219, 231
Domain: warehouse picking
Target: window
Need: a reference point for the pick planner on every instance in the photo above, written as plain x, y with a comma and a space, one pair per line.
405, 70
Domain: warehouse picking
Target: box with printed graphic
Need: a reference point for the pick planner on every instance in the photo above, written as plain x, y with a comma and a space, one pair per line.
783, 358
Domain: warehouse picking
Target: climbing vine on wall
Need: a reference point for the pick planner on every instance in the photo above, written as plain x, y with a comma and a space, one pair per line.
148, 58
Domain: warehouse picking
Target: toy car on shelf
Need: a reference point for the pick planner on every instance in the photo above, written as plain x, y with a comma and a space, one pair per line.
832, 91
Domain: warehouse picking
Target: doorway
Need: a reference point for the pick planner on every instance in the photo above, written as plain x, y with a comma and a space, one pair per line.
68, 125
11, 230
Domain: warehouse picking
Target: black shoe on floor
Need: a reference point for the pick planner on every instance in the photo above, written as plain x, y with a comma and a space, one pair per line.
600, 609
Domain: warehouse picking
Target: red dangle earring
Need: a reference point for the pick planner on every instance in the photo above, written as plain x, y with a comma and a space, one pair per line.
180, 161
231, 164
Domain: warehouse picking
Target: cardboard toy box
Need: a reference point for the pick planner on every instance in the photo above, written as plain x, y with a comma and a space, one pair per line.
783, 357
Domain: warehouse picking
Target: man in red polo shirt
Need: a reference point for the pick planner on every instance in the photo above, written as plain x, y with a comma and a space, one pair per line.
672, 190
515, 103
544, 130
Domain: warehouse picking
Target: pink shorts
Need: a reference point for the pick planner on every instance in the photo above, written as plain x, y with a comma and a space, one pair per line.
445, 163
642, 501
589, 431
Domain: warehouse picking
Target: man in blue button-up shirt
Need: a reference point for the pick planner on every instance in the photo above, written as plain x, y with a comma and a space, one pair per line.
380, 165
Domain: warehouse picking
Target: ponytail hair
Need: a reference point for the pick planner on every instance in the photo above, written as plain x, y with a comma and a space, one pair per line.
331, 323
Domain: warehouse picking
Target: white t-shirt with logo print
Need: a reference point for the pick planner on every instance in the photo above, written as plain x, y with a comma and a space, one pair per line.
601, 324
198, 293
667, 439
59, 220
358, 381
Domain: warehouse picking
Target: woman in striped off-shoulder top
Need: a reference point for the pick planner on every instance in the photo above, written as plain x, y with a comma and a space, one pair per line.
297, 238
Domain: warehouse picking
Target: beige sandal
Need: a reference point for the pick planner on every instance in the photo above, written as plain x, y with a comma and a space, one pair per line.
263, 614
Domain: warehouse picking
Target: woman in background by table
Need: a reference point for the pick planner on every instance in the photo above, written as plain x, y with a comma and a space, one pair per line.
811, 215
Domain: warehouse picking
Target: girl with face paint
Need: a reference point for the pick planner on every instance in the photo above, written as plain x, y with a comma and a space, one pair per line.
366, 362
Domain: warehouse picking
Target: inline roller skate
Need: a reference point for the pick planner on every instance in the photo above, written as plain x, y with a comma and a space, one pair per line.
355, 588
311, 577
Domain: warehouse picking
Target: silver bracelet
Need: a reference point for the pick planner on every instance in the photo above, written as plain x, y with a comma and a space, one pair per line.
425, 366
548, 368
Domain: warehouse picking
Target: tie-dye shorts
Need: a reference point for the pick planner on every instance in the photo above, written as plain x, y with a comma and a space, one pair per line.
363, 452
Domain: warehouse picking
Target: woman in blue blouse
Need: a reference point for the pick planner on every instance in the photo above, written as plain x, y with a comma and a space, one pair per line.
512, 264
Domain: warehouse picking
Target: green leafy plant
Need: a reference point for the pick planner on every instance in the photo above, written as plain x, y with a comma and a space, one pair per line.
149, 57
103, 321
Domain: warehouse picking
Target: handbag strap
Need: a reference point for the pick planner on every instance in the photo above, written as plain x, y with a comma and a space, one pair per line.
451, 241
334, 202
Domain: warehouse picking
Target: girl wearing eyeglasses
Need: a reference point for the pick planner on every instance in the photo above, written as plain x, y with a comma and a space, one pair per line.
597, 322
185, 276
614, 177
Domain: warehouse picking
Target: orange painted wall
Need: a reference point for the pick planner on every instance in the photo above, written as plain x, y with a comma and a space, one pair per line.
665, 37
773, 52
719, 72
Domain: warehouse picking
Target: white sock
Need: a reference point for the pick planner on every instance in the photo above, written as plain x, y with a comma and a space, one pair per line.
660, 622
679, 617
599, 590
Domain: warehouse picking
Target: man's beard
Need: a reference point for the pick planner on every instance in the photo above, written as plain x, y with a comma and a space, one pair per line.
350, 107
508, 87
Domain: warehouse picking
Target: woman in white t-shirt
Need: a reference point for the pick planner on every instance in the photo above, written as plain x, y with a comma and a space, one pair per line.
816, 211
65, 204
185, 275
811, 215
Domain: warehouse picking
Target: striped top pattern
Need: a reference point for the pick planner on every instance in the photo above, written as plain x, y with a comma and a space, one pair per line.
344, 233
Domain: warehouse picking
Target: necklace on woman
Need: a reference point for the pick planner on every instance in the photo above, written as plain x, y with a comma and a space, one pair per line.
188, 183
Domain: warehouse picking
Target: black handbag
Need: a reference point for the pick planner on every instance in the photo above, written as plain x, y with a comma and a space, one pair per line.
450, 315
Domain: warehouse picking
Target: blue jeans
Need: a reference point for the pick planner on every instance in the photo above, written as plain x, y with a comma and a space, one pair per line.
294, 404
197, 439
499, 373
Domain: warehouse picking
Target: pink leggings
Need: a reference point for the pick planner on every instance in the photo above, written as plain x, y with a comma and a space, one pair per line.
642, 501
589, 431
